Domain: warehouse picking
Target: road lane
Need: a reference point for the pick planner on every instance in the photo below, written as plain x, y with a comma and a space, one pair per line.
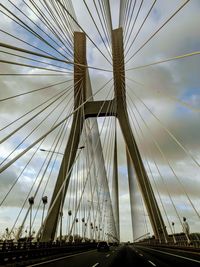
91, 258
169, 257
59, 259
126, 256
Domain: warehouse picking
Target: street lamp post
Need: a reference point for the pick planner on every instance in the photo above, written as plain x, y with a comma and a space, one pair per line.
31, 202
96, 233
173, 225
186, 229
76, 230
61, 216
70, 214
83, 229
44, 201
91, 231
100, 235
7, 235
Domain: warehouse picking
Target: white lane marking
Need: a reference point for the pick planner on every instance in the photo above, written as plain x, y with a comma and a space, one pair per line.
171, 254
95, 264
108, 255
152, 263
57, 259
141, 254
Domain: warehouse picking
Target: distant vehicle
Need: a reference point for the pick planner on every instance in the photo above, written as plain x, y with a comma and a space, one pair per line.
103, 246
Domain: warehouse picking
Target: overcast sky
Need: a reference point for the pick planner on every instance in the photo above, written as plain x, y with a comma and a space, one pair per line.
163, 103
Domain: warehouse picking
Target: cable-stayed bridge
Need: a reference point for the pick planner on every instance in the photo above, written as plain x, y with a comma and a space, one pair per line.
99, 132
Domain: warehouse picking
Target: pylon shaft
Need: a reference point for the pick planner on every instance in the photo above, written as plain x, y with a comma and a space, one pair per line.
122, 115
51, 222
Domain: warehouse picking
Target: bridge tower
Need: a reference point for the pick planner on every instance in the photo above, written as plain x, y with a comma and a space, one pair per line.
100, 108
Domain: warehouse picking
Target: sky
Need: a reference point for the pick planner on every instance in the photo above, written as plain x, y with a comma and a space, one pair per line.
163, 103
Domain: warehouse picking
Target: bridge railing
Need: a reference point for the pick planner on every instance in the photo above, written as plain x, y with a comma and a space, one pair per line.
176, 240
23, 251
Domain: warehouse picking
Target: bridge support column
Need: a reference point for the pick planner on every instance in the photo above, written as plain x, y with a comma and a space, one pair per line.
92, 109
122, 115
51, 222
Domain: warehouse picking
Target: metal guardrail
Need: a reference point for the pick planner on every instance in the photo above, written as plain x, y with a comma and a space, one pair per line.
177, 240
23, 251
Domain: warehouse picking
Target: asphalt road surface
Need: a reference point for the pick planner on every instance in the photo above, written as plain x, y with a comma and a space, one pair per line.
127, 256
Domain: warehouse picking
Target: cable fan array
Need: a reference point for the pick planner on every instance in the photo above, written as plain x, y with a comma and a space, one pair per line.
37, 108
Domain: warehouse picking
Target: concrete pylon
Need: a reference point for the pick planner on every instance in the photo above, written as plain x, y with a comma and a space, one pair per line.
122, 115
101, 108
51, 221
